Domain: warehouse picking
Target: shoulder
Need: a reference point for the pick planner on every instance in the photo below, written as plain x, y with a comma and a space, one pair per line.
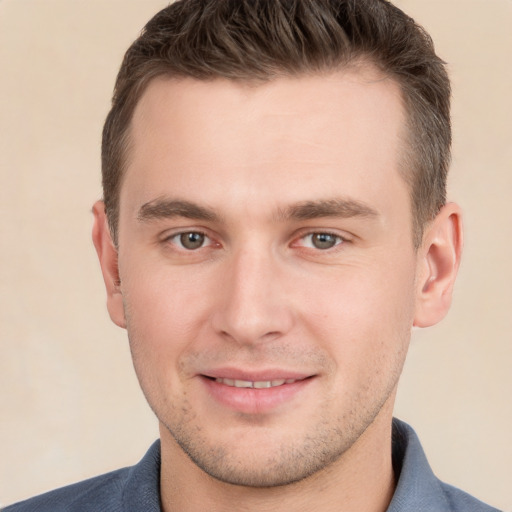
125, 490
460, 501
418, 488
99, 493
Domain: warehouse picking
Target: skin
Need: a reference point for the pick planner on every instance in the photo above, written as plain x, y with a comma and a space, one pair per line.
254, 173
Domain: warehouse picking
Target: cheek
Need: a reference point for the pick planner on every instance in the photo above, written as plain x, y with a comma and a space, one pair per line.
160, 326
164, 311
365, 328
362, 312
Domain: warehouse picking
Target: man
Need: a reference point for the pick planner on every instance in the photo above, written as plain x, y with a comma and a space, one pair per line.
274, 223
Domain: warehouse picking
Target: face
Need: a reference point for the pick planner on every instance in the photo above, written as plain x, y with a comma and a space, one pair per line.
267, 268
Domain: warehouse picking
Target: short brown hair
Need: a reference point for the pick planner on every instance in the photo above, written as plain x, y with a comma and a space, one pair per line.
265, 39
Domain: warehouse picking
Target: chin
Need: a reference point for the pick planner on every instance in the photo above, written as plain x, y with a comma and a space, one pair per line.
253, 460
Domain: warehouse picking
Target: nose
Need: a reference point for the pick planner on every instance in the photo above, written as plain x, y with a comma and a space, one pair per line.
253, 305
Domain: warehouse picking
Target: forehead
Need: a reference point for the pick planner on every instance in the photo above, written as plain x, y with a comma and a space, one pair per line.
340, 131
359, 95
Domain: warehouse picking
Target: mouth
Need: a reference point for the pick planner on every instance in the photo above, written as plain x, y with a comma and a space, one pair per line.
258, 384
256, 394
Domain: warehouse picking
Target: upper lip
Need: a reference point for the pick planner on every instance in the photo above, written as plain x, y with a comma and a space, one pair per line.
255, 375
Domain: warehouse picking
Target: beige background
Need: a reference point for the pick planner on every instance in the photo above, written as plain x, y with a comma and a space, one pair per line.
70, 406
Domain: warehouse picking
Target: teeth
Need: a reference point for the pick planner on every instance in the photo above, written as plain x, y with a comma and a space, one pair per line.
243, 384
261, 384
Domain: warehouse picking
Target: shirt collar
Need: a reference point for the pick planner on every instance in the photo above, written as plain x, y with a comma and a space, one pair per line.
417, 487
142, 487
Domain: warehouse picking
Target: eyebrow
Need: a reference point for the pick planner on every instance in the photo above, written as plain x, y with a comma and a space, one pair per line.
341, 208
170, 208
305, 210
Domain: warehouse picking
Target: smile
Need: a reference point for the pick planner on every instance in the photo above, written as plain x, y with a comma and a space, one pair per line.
259, 395
260, 384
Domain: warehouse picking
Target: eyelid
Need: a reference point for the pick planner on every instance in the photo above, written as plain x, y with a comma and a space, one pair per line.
172, 237
302, 234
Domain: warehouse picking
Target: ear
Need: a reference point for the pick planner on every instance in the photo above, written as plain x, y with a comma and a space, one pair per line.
107, 254
438, 263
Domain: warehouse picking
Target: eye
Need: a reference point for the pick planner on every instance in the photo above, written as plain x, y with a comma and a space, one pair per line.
191, 240
322, 241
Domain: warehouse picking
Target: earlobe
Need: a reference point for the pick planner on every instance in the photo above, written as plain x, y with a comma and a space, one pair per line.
107, 254
438, 263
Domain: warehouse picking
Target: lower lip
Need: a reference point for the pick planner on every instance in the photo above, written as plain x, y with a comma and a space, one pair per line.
255, 401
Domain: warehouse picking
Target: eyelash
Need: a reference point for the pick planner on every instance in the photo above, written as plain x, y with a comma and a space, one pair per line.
176, 239
338, 240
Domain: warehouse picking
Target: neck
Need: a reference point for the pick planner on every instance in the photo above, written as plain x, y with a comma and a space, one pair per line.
361, 479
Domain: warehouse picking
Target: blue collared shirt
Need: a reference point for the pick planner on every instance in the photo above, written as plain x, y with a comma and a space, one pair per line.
137, 489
